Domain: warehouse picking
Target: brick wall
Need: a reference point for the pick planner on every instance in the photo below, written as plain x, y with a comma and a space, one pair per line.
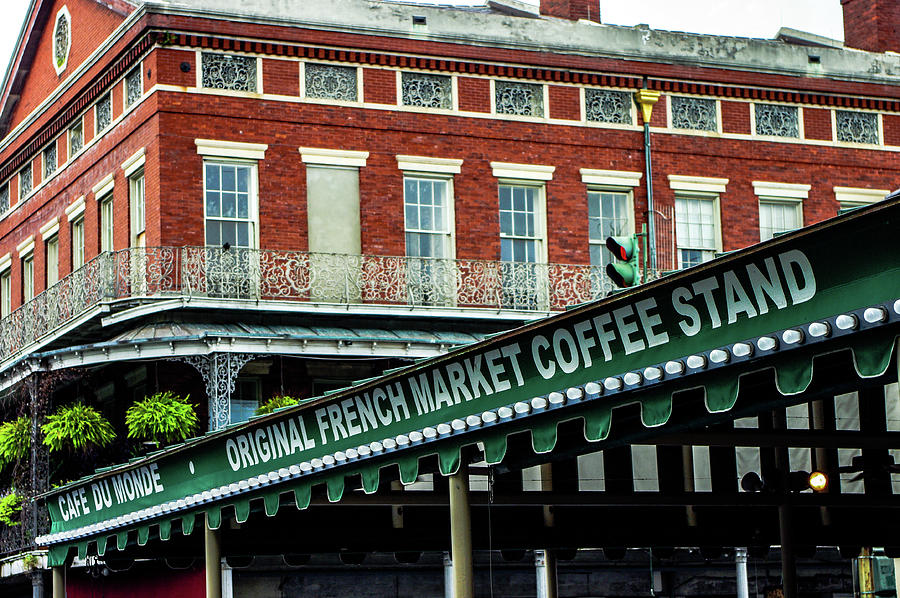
872, 25
571, 9
90, 24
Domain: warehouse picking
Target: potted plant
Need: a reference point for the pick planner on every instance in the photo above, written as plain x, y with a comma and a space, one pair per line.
15, 440
276, 402
77, 427
10, 507
161, 418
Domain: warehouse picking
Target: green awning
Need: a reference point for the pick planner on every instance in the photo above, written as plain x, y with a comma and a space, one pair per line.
777, 305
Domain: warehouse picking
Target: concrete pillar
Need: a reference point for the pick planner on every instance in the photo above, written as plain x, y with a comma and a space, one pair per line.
37, 583
59, 582
545, 571
461, 534
740, 563
213, 554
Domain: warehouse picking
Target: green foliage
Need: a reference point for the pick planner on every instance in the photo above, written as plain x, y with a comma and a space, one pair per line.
15, 440
162, 418
276, 403
77, 427
30, 562
10, 506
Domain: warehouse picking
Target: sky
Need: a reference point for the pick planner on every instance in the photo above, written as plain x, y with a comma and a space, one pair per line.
746, 18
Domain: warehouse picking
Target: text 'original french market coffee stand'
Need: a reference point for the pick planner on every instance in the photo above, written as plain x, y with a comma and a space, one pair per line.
775, 323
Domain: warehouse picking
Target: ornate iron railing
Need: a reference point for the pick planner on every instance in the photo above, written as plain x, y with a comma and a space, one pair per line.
270, 275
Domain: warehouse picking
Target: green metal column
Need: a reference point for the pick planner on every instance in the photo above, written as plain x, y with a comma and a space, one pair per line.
213, 556
461, 534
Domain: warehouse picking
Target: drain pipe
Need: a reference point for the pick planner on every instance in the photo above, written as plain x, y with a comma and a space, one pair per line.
646, 98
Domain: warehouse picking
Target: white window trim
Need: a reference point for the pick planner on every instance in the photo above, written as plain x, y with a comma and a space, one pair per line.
60, 68
629, 204
859, 195
26, 247
333, 157
104, 187
717, 216
522, 172
49, 229
450, 207
697, 184
231, 149
429, 165
611, 178
253, 207
75, 209
134, 163
786, 191
5, 262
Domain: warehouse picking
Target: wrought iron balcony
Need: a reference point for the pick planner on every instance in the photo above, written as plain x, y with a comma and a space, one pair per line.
269, 275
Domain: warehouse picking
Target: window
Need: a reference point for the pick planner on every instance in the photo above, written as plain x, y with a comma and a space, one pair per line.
849, 198
76, 137
426, 91
330, 82
77, 243
103, 113
695, 229
229, 209
777, 217
521, 99
225, 71
697, 114
25, 182
245, 400
28, 277
50, 160
521, 246
136, 203
609, 214
427, 217
5, 293
780, 207
133, 87
106, 223
52, 255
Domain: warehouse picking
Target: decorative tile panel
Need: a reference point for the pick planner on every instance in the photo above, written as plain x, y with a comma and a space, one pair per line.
522, 99
25, 182
104, 113
133, 88
426, 91
857, 127
776, 120
698, 114
61, 40
76, 137
607, 106
50, 160
329, 82
226, 71
4, 199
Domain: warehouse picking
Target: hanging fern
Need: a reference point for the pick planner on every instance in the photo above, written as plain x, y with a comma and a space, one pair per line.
276, 403
15, 440
77, 427
10, 507
161, 418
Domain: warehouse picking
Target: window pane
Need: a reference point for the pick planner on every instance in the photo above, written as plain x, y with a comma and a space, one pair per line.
243, 206
229, 209
228, 178
243, 182
212, 233
229, 234
212, 177
243, 234
505, 197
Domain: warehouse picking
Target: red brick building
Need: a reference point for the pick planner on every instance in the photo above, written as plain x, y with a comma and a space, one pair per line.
321, 190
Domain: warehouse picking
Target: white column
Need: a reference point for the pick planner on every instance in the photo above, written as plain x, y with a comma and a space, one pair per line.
448, 576
213, 554
740, 563
545, 571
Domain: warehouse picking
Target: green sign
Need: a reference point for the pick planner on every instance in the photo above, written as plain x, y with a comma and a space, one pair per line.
789, 281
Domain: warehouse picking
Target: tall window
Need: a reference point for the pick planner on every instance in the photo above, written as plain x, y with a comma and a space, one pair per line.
5, 293
519, 235
427, 217
77, 243
777, 217
106, 223
228, 191
608, 216
52, 255
695, 230
28, 277
136, 203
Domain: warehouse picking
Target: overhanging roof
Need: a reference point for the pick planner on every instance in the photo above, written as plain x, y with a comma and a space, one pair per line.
779, 306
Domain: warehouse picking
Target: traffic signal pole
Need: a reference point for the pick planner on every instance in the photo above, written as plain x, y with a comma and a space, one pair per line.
646, 98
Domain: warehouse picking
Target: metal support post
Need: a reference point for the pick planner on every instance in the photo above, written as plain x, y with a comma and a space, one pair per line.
461, 534
59, 582
448, 576
785, 532
37, 583
545, 571
213, 556
646, 98
740, 563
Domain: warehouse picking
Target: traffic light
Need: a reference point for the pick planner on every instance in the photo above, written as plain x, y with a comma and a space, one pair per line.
624, 271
